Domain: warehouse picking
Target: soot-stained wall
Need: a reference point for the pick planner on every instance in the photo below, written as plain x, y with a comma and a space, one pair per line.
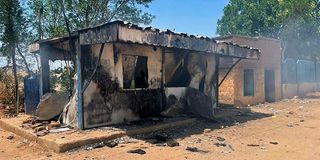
104, 100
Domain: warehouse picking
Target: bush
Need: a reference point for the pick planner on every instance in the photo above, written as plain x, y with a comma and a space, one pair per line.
7, 92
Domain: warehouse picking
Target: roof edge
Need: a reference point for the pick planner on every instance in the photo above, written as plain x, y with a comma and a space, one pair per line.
247, 37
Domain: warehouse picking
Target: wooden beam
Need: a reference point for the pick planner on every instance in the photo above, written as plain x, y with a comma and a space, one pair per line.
230, 69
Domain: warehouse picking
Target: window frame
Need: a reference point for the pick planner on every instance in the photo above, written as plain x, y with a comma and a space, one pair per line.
246, 91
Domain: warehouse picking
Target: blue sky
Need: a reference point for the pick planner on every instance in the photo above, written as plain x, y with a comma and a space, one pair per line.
198, 17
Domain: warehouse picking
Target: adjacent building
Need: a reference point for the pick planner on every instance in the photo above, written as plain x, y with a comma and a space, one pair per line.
251, 82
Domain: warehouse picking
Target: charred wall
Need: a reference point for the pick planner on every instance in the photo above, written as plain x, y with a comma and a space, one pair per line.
104, 100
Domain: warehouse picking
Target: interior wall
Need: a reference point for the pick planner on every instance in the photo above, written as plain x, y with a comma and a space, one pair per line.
154, 63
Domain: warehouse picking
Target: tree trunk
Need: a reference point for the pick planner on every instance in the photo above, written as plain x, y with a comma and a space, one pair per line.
24, 60
14, 70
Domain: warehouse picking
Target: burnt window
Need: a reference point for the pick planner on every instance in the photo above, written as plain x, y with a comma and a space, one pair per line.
135, 71
248, 86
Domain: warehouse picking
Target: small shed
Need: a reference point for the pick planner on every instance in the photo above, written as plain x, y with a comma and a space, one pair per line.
126, 72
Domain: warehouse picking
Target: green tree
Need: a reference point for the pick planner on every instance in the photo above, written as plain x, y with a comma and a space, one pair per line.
12, 27
296, 22
48, 20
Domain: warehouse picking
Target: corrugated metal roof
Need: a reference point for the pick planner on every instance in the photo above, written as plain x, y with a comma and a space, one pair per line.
117, 31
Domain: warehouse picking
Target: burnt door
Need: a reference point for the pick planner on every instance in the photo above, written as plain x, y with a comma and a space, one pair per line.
269, 85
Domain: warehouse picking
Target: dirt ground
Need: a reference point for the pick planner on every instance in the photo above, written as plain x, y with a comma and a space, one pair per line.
289, 129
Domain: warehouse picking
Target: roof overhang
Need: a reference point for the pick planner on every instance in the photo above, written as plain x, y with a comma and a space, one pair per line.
120, 32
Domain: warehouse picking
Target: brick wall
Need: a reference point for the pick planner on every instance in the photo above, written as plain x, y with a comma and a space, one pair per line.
270, 60
226, 90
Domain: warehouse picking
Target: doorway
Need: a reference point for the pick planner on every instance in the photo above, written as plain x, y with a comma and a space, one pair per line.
269, 85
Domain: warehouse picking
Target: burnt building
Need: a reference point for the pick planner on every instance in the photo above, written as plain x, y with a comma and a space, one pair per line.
125, 72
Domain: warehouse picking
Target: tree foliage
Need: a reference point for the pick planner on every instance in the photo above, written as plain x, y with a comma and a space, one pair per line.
270, 18
297, 22
48, 19
12, 26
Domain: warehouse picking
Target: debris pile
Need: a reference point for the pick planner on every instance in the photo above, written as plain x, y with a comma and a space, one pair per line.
40, 128
298, 100
111, 143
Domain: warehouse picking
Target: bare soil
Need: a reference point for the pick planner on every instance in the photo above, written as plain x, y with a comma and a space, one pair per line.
289, 129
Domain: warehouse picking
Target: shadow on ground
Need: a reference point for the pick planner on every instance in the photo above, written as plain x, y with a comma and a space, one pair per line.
225, 116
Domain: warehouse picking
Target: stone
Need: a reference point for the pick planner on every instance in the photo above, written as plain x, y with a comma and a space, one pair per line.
195, 149
41, 133
53, 124
97, 145
253, 145
40, 128
207, 130
10, 137
274, 142
264, 148
300, 108
27, 120
137, 151
218, 144
192, 149
36, 125
290, 124
45, 122
290, 112
221, 139
172, 143
160, 138
111, 144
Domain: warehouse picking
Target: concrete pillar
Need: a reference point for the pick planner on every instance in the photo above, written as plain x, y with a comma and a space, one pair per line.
44, 70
